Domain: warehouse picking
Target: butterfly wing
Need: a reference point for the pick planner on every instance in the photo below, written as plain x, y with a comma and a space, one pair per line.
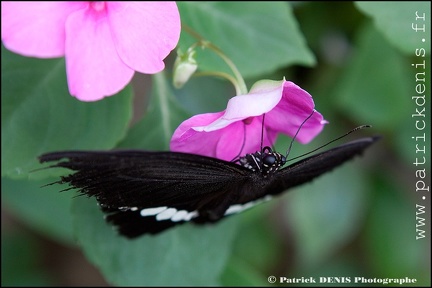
148, 192
311, 167
296, 174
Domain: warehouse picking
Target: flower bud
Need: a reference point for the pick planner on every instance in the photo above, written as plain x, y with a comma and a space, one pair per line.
184, 67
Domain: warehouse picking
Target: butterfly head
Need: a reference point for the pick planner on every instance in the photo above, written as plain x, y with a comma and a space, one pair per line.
266, 161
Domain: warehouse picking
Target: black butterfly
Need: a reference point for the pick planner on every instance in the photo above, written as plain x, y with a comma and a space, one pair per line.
147, 192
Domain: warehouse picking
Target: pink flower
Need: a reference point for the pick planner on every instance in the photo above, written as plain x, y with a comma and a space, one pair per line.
104, 43
237, 130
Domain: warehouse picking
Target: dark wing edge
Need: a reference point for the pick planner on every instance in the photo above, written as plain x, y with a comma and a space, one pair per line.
125, 182
311, 167
126, 178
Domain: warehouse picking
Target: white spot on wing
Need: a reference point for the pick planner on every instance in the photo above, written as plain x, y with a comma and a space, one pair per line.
190, 215
234, 209
179, 216
241, 207
167, 214
126, 208
152, 211
250, 204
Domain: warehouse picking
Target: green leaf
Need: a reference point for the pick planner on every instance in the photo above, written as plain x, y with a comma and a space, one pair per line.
374, 87
396, 21
410, 142
327, 213
39, 115
326, 26
42, 208
204, 95
240, 273
390, 240
187, 255
21, 260
345, 265
164, 114
244, 30
255, 234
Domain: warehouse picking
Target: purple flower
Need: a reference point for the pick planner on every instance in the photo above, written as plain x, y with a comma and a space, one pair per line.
104, 43
237, 130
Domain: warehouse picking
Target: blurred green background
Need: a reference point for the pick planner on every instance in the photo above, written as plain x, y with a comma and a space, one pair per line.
360, 220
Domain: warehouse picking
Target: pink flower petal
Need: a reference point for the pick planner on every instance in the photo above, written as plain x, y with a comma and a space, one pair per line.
103, 42
94, 68
286, 107
263, 97
184, 138
295, 106
239, 139
36, 29
144, 33
235, 140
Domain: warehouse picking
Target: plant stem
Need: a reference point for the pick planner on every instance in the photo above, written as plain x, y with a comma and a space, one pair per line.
238, 81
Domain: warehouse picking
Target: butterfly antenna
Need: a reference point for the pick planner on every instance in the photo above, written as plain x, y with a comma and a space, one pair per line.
338, 138
298, 130
262, 141
262, 133
237, 157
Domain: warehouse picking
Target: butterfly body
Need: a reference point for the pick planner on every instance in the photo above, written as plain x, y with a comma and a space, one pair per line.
266, 162
145, 192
